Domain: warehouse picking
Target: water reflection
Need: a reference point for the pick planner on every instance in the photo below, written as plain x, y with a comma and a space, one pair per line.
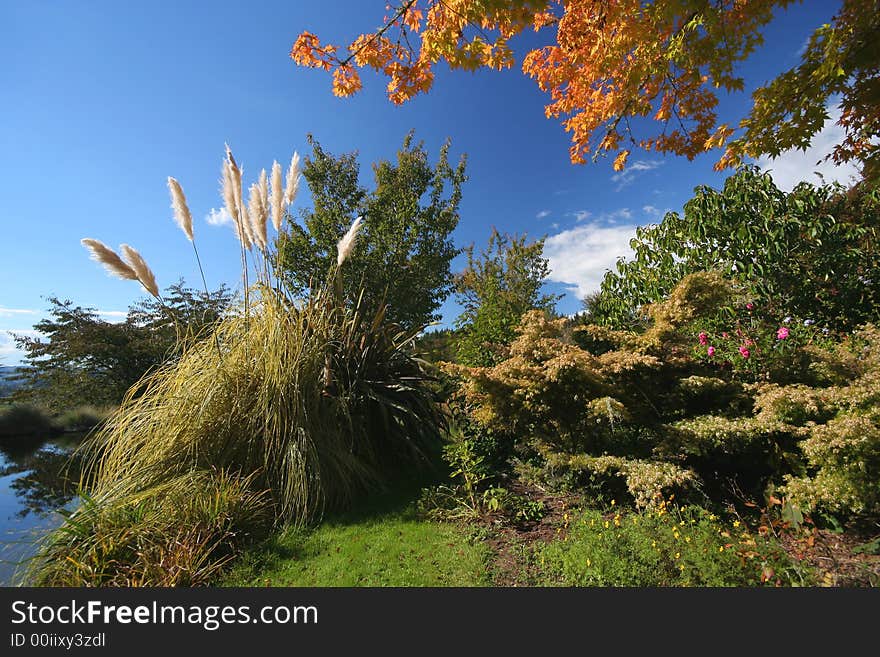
36, 479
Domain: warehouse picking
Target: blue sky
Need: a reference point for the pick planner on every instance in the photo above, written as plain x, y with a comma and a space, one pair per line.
103, 100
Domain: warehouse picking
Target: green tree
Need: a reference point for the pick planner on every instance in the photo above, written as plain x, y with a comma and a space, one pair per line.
495, 289
81, 359
812, 253
404, 249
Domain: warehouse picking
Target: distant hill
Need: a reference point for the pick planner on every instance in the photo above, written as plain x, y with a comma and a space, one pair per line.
7, 385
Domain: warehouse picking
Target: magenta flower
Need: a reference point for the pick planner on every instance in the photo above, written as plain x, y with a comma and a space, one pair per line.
744, 352
750, 306
704, 339
782, 333
710, 351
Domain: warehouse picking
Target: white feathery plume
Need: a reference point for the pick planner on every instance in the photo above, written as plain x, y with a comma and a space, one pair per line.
231, 198
235, 172
229, 156
242, 208
277, 198
345, 246
255, 216
144, 273
264, 194
181, 210
293, 176
109, 258
241, 221
228, 192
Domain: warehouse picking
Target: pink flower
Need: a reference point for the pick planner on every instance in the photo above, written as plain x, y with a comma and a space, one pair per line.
782, 333
744, 352
724, 335
704, 339
710, 351
750, 306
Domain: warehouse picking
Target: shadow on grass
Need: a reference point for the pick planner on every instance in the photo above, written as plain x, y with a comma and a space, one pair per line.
397, 501
381, 541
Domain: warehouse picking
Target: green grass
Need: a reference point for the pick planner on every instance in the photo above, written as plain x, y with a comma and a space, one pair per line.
383, 543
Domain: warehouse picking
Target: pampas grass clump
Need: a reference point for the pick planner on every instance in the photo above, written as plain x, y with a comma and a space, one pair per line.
261, 407
290, 407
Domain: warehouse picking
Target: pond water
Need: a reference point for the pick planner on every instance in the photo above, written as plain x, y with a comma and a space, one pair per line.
36, 480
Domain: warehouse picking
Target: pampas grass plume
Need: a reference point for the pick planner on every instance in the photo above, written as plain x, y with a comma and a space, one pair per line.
345, 246
292, 185
181, 210
256, 216
139, 265
108, 257
277, 198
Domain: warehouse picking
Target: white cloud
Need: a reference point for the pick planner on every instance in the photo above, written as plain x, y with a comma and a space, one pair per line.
14, 312
800, 51
10, 354
628, 175
579, 257
219, 217
616, 215
654, 212
111, 315
579, 215
542, 214
794, 166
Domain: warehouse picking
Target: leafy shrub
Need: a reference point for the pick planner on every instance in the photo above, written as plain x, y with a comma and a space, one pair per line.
631, 415
516, 508
616, 477
811, 253
667, 546
844, 458
794, 404
82, 418
477, 459
24, 419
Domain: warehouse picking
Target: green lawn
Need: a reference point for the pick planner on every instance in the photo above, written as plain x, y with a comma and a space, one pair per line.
383, 543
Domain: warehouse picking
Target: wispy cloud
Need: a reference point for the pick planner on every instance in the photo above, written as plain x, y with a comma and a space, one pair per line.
542, 214
16, 312
615, 216
629, 174
800, 51
579, 215
219, 217
794, 166
580, 256
654, 212
612, 217
10, 354
110, 315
